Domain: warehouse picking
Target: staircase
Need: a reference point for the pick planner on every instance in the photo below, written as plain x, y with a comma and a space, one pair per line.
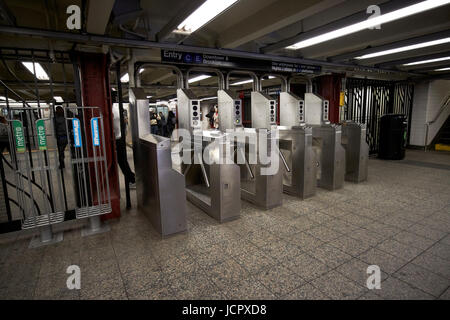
442, 140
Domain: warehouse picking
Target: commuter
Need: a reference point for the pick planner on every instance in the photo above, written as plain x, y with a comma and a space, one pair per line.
210, 116
153, 123
61, 135
162, 124
121, 150
4, 139
216, 117
171, 122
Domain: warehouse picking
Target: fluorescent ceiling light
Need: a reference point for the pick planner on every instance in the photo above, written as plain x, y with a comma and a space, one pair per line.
248, 81
40, 72
205, 13
372, 22
405, 48
58, 99
199, 78
443, 69
209, 98
3, 98
125, 78
427, 61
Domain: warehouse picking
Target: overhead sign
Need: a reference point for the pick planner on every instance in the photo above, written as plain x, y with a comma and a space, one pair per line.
41, 135
95, 132
76, 132
215, 60
18, 135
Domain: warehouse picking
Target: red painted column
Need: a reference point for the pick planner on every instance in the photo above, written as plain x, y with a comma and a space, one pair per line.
329, 87
95, 91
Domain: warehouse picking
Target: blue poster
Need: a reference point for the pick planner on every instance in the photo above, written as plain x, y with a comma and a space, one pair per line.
76, 132
95, 132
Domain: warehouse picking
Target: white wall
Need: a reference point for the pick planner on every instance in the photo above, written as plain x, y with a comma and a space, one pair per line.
428, 99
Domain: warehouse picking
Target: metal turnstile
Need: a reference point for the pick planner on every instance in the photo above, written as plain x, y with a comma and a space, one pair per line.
160, 189
296, 147
257, 186
356, 151
330, 154
212, 178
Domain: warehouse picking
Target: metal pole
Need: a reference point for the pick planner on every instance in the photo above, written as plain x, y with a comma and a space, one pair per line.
122, 130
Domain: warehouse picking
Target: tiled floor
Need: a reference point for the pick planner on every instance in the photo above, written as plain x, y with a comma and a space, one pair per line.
314, 249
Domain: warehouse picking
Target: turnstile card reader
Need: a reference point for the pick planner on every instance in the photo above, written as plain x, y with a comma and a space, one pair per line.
160, 189
356, 151
317, 110
292, 110
230, 110
264, 110
188, 110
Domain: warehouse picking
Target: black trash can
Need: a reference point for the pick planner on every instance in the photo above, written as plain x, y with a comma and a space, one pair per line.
392, 141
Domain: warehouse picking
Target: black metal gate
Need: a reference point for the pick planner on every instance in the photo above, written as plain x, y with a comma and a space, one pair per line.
367, 100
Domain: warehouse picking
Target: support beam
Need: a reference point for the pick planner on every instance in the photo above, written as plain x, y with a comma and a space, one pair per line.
130, 43
190, 7
392, 45
344, 22
275, 16
398, 62
98, 16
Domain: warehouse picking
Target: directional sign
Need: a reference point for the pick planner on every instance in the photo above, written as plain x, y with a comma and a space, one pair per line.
18, 135
76, 132
41, 136
95, 132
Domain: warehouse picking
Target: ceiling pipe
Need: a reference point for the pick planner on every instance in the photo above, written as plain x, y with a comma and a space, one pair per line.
284, 81
180, 78
220, 77
256, 83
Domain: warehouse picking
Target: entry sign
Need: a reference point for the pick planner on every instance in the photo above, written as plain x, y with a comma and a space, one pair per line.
41, 136
95, 132
76, 132
342, 98
18, 135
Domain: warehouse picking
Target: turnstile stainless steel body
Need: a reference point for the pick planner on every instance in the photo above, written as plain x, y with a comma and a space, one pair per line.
212, 181
264, 191
296, 146
330, 154
356, 151
160, 189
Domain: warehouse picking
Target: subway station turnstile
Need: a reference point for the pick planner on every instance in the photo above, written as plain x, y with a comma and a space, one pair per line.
356, 151
330, 154
160, 189
296, 147
212, 179
258, 185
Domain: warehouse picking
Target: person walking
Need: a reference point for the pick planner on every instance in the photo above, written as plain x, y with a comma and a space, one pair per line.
210, 116
61, 135
216, 117
171, 122
121, 150
153, 123
162, 124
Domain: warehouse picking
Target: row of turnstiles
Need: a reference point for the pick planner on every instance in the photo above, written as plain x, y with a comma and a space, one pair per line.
215, 169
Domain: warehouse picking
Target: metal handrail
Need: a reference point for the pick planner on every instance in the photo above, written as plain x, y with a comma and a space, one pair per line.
444, 106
